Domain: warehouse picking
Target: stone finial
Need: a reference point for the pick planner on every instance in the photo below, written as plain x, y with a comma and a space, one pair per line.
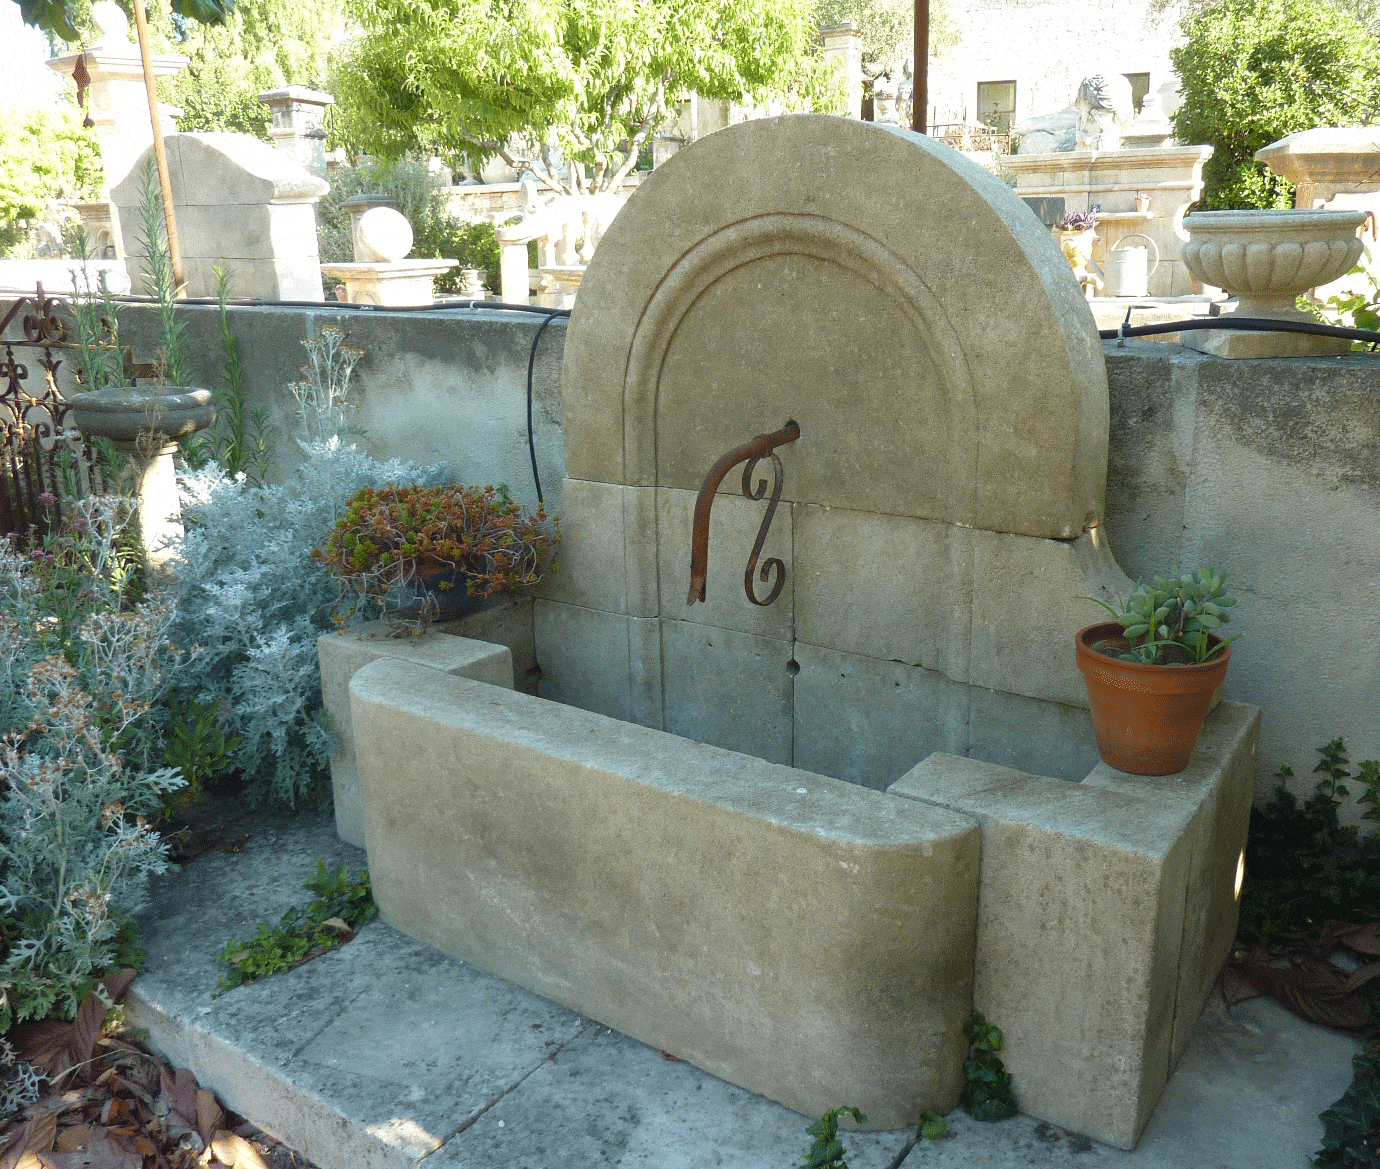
383, 235
111, 22
298, 130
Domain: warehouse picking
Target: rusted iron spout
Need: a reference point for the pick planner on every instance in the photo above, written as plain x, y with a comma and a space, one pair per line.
761, 447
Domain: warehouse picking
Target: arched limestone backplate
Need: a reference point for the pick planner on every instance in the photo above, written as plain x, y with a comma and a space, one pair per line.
992, 383
749, 386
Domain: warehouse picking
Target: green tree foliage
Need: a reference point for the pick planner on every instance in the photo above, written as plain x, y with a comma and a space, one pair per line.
65, 19
1256, 70
45, 155
887, 28
534, 81
265, 44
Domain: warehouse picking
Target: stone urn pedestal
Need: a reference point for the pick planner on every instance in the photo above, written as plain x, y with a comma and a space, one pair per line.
146, 424
1267, 259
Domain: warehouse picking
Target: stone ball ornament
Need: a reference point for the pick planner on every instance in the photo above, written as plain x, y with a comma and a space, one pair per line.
383, 236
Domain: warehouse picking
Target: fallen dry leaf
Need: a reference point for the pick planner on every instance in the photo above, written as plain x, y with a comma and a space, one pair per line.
35, 1137
236, 1152
210, 1117
1303, 980
73, 1140
151, 1113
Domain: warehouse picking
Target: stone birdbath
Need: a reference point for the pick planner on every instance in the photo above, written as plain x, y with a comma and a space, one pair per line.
1267, 259
146, 424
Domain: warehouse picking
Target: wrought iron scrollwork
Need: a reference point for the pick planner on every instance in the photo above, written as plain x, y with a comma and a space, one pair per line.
761, 447
38, 453
774, 565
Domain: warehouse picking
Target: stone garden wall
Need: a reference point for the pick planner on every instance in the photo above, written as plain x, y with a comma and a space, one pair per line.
1269, 470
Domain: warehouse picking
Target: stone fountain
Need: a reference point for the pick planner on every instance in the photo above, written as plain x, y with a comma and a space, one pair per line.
797, 842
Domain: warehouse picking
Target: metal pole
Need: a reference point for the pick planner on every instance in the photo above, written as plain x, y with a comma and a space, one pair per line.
141, 22
920, 94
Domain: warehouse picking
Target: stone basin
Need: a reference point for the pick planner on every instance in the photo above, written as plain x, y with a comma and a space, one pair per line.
124, 414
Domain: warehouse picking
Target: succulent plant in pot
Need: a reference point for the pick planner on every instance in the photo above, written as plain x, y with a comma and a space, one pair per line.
425, 554
1152, 674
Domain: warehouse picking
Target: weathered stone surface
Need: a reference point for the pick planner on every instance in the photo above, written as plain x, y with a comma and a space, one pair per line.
607, 552
508, 1081
733, 526
1080, 928
241, 204
602, 864
1028, 604
871, 325
870, 721
727, 688
503, 621
884, 586
598, 661
341, 654
1213, 796
1030, 734
1252, 468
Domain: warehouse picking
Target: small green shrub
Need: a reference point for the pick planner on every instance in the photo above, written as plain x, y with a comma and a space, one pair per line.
827, 1151
45, 156
341, 906
987, 1093
83, 673
1169, 622
1351, 1127
1303, 867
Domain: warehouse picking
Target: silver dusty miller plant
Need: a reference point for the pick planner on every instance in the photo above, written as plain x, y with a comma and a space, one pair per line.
81, 671
252, 599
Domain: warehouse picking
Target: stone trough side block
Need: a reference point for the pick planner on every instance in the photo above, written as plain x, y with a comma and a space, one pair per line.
341, 654
799, 936
1079, 937
1214, 792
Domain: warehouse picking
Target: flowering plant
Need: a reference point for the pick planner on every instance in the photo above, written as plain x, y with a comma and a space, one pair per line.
390, 536
1078, 221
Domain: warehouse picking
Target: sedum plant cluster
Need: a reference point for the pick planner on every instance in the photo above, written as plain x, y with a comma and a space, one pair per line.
387, 536
249, 595
83, 671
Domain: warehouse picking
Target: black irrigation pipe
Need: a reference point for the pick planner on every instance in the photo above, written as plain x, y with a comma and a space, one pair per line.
445, 306
1245, 324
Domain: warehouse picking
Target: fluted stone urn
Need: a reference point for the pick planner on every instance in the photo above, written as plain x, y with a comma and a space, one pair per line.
146, 424
1267, 259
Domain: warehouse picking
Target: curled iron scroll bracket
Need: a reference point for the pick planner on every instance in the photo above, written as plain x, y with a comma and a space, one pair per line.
773, 565
753, 451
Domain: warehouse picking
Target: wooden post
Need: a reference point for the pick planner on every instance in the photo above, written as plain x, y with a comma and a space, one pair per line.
920, 95
141, 22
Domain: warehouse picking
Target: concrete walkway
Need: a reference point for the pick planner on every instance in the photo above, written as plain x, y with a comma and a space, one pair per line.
386, 1053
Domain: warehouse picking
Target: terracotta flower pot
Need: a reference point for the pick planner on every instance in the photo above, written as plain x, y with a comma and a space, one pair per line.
1146, 718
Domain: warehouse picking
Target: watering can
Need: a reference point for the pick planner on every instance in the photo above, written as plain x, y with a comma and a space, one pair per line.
1128, 273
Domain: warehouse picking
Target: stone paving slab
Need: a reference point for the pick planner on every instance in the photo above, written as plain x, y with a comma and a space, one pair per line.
385, 1053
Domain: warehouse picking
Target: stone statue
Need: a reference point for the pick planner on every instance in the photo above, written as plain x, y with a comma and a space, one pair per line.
1102, 108
884, 90
1105, 108
905, 93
